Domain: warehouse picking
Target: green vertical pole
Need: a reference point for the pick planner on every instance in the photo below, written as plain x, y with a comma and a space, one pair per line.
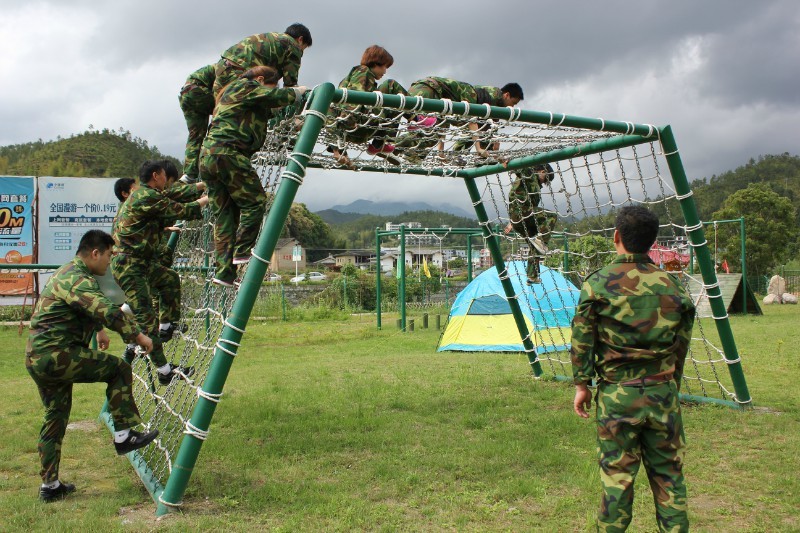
497, 257
401, 284
469, 258
744, 267
235, 323
378, 276
697, 236
565, 260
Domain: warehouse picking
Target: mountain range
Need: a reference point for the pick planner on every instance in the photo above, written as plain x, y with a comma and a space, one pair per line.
367, 207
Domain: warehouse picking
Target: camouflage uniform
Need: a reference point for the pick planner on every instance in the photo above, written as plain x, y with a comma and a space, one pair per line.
137, 231
361, 78
457, 91
278, 50
166, 283
632, 330
70, 309
527, 218
236, 196
197, 104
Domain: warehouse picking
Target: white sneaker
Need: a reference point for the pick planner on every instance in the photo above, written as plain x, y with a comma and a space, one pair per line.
539, 245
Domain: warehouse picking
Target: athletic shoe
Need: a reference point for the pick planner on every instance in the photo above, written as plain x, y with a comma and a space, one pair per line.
174, 370
372, 150
241, 260
534, 280
539, 246
166, 334
422, 122
48, 495
130, 353
224, 282
135, 441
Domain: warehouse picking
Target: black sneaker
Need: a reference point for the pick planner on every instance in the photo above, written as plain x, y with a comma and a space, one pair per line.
135, 441
166, 379
166, 334
60, 492
129, 354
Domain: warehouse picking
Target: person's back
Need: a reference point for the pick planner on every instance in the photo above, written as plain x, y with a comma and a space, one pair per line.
631, 331
239, 125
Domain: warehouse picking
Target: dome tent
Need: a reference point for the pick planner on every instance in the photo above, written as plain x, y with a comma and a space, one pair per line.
480, 318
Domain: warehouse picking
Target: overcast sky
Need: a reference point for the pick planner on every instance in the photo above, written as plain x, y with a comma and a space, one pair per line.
724, 73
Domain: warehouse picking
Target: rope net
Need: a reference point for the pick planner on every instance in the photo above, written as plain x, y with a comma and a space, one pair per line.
581, 200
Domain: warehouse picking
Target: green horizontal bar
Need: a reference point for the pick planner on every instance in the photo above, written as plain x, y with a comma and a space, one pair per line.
438, 172
501, 113
594, 147
684, 397
454, 231
28, 266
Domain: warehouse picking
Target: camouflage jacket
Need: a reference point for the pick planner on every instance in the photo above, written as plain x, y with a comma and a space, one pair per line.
71, 308
525, 194
180, 192
140, 220
360, 78
633, 320
197, 94
240, 119
460, 91
278, 50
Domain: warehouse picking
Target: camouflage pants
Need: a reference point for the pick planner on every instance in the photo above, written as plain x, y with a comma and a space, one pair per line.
165, 285
634, 425
54, 374
238, 202
197, 104
134, 276
540, 223
225, 71
421, 139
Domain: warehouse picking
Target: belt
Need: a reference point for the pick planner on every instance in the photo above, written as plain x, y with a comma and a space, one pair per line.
647, 380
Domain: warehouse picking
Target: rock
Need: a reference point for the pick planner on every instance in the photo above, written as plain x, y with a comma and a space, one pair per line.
777, 286
789, 298
770, 299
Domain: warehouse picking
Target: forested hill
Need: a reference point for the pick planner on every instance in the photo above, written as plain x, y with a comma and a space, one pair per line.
93, 153
780, 172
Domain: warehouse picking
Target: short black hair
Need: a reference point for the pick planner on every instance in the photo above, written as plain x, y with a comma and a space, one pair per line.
95, 239
514, 90
147, 169
637, 227
299, 30
170, 169
123, 185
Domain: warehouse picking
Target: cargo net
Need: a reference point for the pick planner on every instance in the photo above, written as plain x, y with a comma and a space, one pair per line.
204, 309
569, 229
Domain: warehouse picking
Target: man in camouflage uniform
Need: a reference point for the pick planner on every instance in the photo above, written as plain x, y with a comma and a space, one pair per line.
458, 91
70, 309
533, 223
282, 51
238, 130
197, 104
632, 330
138, 229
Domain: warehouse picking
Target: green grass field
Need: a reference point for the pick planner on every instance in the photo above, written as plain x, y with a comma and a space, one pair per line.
332, 426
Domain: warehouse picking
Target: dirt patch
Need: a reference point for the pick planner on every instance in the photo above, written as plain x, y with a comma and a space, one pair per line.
83, 425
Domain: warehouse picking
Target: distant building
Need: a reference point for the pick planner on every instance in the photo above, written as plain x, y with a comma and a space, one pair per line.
282, 256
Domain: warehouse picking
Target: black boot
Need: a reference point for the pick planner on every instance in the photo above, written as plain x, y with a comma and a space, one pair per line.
135, 441
60, 492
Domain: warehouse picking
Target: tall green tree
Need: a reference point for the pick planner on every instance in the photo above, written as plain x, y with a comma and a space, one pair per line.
770, 227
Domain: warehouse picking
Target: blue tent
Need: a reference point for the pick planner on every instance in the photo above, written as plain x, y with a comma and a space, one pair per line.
481, 320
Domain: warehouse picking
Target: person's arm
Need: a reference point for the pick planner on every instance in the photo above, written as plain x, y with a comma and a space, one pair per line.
85, 296
291, 69
684, 334
185, 192
582, 350
164, 207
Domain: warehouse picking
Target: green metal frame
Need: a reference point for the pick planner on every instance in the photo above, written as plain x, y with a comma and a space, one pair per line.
401, 263
319, 103
742, 251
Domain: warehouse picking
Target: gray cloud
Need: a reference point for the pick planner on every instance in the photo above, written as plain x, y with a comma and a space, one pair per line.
723, 73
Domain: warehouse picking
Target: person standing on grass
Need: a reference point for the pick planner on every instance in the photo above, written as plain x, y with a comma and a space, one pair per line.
70, 309
631, 331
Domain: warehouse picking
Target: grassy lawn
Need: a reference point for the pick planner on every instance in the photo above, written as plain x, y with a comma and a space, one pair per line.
331, 426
